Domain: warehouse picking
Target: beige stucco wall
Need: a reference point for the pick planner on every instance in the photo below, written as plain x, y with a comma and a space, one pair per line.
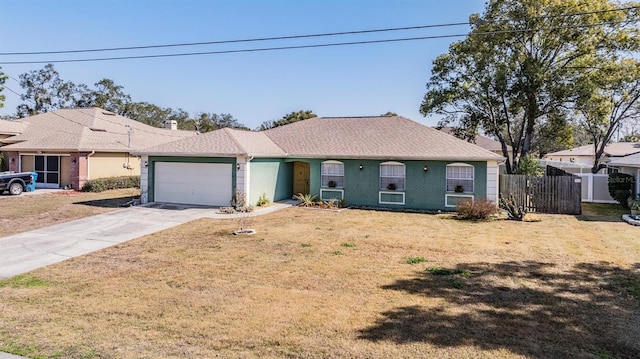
65, 171
105, 164
27, 163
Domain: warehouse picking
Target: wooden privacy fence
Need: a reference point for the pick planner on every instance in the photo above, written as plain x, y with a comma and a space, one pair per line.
546, 194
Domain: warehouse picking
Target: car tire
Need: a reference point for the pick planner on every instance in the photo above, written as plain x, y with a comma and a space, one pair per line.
15, 188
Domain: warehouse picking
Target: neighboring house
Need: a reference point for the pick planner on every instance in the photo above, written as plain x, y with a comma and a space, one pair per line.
9, 128
367, 161
585, 155
630, 165
69, 147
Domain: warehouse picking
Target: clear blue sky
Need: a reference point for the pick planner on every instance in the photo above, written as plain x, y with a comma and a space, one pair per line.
253, 87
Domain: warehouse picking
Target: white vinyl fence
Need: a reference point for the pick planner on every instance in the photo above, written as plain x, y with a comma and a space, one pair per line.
594, 188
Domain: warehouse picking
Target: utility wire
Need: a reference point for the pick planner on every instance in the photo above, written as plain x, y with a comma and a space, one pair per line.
236, 40
279, 48
296, 36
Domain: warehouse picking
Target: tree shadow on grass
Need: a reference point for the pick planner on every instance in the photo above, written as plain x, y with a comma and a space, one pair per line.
528, 308
601, 212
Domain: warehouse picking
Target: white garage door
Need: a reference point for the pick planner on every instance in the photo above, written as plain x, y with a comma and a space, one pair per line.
193, 183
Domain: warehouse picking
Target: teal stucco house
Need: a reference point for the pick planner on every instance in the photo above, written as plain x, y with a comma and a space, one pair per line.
381, 161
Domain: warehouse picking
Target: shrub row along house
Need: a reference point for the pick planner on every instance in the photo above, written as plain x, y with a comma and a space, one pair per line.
366, 161
68, 147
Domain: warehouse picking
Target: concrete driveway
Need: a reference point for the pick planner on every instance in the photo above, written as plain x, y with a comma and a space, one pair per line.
27, 251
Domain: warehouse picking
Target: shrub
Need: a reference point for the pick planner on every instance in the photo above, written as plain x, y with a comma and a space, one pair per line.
263, 200
105, 184
529, 166
620, 187
514, 210
476, 210
622, 196
239, 199
306, 200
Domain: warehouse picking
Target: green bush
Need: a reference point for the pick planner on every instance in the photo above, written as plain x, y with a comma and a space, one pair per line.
105, 184
621, 187
476, 210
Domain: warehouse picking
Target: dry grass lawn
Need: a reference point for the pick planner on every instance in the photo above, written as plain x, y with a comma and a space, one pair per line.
25, 213
316, 284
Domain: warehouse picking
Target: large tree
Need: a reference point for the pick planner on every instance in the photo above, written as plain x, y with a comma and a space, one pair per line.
288, 118
45, 91
106, 95
3, 78
608, 96
518, 66
206, 122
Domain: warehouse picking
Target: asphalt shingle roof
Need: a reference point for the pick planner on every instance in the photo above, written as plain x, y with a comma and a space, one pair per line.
88, 129
348, 137
614, 149
629, 161
11, 127
482, 141
223, 142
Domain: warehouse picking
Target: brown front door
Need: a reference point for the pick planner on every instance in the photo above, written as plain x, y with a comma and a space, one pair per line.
300, 177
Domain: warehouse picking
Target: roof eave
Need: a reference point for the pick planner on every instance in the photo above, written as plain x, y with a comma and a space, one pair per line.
406, 158
186, 154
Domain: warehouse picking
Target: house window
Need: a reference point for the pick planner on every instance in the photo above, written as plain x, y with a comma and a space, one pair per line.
332, 173
460, 178
392, 176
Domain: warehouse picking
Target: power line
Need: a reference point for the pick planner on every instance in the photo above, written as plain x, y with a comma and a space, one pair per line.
280, 48
290, 37
237, 40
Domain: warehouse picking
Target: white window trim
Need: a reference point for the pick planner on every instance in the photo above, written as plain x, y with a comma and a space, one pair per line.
461, 164
404, 174
380, 193
322, 190
321, 174
451, 195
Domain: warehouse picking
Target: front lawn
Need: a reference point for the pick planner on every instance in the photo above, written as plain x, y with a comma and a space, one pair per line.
26, 213
353, 284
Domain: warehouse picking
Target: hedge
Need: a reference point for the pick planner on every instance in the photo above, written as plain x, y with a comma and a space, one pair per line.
105, 184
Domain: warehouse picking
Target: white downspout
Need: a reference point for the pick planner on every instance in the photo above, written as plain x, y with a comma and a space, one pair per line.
89, 155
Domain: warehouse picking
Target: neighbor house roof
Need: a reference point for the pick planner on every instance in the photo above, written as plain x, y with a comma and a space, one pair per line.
480, 140
379, 137
88, 129
11, 127
614, 149
626, 161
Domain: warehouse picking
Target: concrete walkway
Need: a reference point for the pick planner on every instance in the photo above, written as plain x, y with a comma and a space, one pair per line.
10, 356
24, 252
